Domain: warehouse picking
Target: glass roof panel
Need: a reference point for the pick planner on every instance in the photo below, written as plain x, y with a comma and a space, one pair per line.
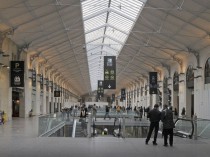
120, 22
95, 22
116, 34
89, 7
107, 24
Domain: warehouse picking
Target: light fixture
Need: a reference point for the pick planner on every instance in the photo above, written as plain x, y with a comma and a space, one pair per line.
198, 76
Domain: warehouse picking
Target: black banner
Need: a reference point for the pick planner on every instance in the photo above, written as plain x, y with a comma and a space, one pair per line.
41, 82
123, 94
153, 83
34, 78
109, 72
17, 74
100, 88
57, 93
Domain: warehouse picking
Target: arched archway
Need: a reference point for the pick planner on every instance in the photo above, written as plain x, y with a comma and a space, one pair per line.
190, 91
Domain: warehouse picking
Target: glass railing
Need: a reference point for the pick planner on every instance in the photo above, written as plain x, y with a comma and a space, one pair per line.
49, 122
203, 128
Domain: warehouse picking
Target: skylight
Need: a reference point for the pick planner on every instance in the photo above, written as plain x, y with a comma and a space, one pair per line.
107, 25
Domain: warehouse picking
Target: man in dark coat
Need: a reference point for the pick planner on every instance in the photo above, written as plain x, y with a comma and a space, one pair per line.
154, 116
168, 125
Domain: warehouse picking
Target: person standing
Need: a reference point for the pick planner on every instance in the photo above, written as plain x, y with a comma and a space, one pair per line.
168, 125
94, 111
107, 112
154, 116
183, 112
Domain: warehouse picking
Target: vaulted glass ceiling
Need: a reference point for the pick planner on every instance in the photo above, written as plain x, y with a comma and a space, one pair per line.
107, 25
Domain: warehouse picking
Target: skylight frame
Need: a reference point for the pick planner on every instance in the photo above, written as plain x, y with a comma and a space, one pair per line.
119, 16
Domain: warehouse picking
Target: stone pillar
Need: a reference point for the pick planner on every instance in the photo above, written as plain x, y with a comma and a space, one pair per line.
38, 92
44, 110
199, 92
132, 99
27, 89
182, 92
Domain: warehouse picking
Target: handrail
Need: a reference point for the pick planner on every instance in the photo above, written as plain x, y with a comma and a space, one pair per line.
53, 130
74, 128
182, 133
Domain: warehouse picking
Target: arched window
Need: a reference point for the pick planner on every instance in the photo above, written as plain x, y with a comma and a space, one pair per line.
190, 77
176, 81
207, 71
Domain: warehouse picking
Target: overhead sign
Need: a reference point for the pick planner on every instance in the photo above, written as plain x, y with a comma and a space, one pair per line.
123, 94
109, 72
100, 90
17, 74
153, 83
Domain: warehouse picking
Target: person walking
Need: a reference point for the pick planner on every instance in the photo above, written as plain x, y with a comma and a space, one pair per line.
168, 125
154, 116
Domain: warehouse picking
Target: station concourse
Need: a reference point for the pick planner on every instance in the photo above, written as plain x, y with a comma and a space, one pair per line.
78, 77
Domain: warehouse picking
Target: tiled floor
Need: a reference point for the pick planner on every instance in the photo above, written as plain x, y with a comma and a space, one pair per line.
19, 138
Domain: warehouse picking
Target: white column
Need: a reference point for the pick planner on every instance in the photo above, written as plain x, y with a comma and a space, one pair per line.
182, 92
38, 101
44, 99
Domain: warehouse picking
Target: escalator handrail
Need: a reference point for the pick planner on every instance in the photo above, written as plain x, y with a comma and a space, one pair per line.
186, 119
53, 130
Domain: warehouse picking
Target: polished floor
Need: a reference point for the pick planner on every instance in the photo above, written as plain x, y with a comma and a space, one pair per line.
19, 138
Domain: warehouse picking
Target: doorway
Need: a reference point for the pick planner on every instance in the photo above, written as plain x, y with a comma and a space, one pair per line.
15, 104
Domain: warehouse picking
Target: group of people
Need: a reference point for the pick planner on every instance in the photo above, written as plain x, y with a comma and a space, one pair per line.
166, 116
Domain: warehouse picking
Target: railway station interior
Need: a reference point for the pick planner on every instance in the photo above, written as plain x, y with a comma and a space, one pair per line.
66, 66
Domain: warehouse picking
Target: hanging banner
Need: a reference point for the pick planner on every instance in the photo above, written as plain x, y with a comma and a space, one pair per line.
17, 74
34, 78
100, 88
41, 82
123, 94
153, 83
109, 72
57, 93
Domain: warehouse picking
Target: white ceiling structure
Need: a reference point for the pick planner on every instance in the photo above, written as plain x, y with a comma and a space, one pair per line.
73, 36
